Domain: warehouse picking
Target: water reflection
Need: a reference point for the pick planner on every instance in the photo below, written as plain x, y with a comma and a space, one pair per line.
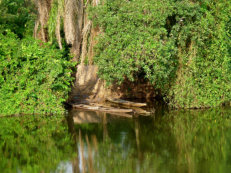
179, 141
175, 141
34, 144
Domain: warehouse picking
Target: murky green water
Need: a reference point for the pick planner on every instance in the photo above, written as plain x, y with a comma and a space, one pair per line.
177, 141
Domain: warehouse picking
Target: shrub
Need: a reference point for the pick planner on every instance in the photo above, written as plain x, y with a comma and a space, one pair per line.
204, 76
34, 77
18, 16
182, 47
135, 41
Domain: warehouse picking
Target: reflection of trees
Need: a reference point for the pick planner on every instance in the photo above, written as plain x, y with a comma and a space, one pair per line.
33, 143
137, 133
200, 140
189, 141
105, 132
71, 129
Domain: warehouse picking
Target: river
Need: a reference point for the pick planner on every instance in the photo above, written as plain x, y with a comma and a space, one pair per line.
94, 142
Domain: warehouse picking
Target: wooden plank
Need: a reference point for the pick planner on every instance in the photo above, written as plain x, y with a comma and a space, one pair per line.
102, 109
126, 103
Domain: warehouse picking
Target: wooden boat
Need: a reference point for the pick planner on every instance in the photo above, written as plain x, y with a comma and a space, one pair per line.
126, 103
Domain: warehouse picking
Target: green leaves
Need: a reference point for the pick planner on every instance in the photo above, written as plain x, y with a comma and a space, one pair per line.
204, 79
134, 41
34, 78
17, 16
181, 47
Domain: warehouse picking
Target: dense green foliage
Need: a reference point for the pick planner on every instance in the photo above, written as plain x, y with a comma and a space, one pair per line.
18, 16
34, 144
204, 79
135, 41
182, 47
35, 77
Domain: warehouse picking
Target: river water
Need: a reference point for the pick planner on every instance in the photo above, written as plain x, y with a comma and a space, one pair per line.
84, 141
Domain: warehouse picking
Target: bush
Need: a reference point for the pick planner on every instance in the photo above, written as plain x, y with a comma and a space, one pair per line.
18, 16
135, 41
34, 77
204, 77
182, 47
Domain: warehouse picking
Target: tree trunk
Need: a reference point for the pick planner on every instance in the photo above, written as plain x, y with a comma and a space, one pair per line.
43, 7
77, 27
73, 22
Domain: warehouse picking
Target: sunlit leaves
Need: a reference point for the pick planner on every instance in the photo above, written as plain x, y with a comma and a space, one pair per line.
34, 78
181, 47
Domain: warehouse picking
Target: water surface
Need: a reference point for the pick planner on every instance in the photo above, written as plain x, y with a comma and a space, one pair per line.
167, 141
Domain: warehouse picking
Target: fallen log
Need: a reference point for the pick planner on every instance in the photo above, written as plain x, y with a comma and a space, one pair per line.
126, 103
102, 109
